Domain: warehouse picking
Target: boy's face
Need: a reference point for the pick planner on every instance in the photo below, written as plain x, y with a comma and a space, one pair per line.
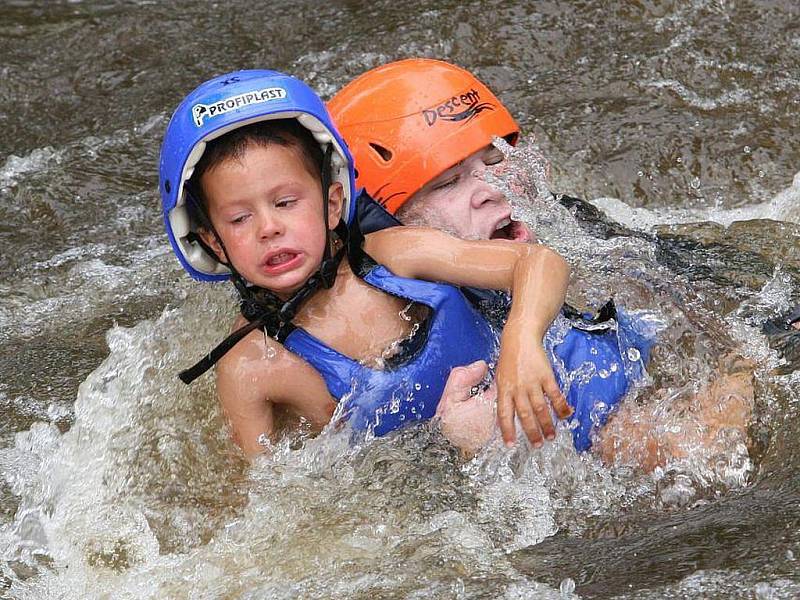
267, 208
461, 202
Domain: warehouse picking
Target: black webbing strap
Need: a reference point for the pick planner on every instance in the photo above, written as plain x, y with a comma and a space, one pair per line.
209, 360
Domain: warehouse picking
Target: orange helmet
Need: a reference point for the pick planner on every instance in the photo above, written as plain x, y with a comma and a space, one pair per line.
409, 121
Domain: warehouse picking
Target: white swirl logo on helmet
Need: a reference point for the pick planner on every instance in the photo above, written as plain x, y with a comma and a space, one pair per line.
201, 112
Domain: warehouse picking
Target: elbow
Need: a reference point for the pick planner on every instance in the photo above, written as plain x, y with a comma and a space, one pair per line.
551, 260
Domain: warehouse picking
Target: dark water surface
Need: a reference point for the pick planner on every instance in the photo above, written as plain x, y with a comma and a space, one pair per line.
678, 119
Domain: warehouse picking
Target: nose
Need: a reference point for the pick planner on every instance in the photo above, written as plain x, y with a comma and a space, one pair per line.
270, 225
483, 191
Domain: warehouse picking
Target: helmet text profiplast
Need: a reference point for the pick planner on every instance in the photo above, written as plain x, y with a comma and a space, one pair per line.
200, 112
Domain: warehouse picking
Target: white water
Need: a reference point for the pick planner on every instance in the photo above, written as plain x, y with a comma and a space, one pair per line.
145, 497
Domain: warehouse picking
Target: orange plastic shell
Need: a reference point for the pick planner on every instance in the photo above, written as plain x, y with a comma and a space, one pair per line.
409, 121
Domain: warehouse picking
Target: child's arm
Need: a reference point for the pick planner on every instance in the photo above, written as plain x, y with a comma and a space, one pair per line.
537, 278
251, 380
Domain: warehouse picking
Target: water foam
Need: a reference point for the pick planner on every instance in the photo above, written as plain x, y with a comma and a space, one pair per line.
784, 206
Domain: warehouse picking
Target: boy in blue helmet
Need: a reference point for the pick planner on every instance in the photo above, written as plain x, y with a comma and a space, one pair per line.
257, 186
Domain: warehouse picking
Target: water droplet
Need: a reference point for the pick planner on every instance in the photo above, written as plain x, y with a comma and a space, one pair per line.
634, 354
680, 160
761, 173
764, 591
747, 149
417, 387
614, 367
696, 183
604, 374
640, 173
263, 440
271, 352
567, 587
789, 555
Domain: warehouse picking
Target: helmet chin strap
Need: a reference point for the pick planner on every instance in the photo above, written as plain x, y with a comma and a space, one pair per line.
328, 266
260, 306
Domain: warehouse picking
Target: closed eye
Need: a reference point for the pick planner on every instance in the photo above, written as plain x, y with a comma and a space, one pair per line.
494, 157
446, 183
285, 202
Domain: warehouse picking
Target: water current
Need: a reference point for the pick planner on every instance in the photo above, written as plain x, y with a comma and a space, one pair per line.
676, 119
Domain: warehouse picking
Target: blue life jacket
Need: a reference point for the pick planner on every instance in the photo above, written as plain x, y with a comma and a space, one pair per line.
455, 334
596, 359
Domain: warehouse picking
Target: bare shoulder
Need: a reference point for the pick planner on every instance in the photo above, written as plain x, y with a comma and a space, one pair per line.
247, 373
254, 369
260, 370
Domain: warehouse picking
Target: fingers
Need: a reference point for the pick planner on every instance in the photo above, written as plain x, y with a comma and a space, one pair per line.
543, 417
460, 383
529, 414
477, 370
505, 417
557, 398
534, 418
533, 413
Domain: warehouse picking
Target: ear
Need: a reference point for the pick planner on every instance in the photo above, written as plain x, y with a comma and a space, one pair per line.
212, 242
335, 204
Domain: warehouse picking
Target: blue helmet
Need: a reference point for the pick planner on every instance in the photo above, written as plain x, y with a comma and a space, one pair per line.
217, 107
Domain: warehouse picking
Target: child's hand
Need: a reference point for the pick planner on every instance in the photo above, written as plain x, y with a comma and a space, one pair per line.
524, 378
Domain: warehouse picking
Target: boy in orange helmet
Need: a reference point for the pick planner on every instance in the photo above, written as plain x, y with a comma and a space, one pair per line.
421, 132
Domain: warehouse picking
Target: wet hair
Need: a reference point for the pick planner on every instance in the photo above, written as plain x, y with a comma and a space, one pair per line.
287, 133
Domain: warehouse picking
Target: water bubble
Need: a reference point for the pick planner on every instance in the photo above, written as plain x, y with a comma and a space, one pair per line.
417, 386
679, 160
696, 183
789, 555
404, 313
634, 354
271, 352
458, 588
614, 367
263, 440
567, 587
747, 149
604, 374
761, 173
764, 591
640, 173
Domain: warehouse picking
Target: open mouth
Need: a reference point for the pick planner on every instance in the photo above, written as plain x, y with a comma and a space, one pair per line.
281, 262
516, 231
281, 258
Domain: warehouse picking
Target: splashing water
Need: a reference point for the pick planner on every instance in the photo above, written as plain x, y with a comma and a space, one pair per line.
679, 408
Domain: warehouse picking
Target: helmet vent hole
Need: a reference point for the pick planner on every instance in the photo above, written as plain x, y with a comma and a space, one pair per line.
384, 153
